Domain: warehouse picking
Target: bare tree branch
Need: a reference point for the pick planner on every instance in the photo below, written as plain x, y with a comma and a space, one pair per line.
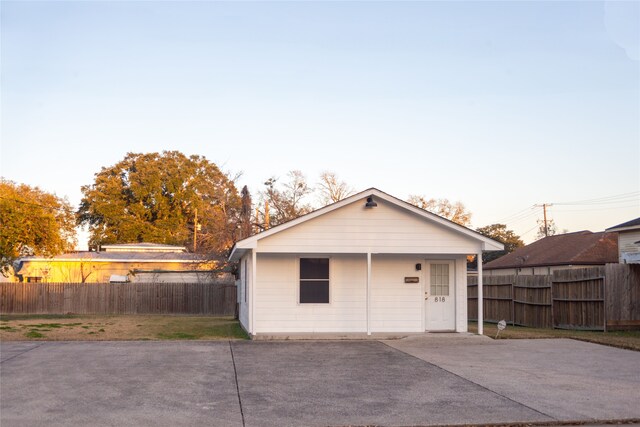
332, 189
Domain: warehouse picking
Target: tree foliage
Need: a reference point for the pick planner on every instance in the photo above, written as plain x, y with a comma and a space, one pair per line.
287, 201
33, 222
331, 189
500, 233
154, 197
455, 212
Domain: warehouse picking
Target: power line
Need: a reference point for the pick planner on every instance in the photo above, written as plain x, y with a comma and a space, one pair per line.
513, 216
599, 209
618, 198
609, 203
528, 231
518, 220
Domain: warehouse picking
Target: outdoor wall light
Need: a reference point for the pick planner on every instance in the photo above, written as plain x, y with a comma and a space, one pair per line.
370, 203
418, 267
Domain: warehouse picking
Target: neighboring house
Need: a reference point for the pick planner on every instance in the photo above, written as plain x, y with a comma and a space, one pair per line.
562, 251
136, 262
369, 263
628, 241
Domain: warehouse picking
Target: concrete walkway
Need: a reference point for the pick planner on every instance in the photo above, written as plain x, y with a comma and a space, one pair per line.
421, 380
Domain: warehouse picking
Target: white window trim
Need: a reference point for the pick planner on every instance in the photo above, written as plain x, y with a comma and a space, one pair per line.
452, 275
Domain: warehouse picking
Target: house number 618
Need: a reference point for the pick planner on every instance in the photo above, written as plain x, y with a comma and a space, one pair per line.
439, 299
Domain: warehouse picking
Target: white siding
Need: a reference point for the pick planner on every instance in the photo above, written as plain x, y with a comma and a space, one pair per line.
356, 229
278, 310
396, 306
626, 243
243, 287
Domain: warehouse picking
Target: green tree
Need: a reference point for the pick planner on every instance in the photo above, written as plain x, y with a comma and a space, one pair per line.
500, 233
455, 212
155, 198
33, 222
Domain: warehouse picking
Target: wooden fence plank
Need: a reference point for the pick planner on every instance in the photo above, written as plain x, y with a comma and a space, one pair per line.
622, 300
211, 299
578, 298
596, 298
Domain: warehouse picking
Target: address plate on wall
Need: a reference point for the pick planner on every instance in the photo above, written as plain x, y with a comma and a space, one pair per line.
411, 280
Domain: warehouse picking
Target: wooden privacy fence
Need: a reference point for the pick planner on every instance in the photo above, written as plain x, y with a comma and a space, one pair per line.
578, 299
118, 298
599, 298
519, 300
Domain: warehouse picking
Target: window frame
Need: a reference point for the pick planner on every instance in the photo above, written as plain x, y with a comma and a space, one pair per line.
436, 289
299, 280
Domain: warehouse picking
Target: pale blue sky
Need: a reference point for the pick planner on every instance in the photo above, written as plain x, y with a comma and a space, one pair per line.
501, 105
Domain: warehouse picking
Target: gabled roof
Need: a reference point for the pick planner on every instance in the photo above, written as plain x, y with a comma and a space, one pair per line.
579, 248
634, 224
251, 242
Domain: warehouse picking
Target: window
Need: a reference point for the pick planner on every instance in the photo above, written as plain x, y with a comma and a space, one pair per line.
440, 279
314, 280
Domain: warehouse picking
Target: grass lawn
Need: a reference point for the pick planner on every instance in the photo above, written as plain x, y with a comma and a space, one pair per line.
622, 339
115, 328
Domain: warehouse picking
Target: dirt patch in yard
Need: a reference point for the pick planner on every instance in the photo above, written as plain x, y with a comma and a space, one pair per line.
115, 328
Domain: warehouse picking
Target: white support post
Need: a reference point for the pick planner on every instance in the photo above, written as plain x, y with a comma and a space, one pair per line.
252, 305
480, 304
368, 293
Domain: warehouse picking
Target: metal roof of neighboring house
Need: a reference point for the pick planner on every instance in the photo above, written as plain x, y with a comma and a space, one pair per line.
143, 247
629, 225
137, 256
579, 248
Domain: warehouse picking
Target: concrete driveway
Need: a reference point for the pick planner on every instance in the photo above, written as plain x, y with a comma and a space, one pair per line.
423, 380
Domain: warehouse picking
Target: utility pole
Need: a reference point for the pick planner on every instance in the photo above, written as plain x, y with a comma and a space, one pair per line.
195, 230
544, 210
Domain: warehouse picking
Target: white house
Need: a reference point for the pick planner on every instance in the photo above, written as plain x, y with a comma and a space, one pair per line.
369, 263
628, 241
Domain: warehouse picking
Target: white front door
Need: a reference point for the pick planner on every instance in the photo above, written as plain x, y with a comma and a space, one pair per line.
440, 296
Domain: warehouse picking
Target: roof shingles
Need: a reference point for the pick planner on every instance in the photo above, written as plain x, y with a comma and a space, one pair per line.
579, 248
